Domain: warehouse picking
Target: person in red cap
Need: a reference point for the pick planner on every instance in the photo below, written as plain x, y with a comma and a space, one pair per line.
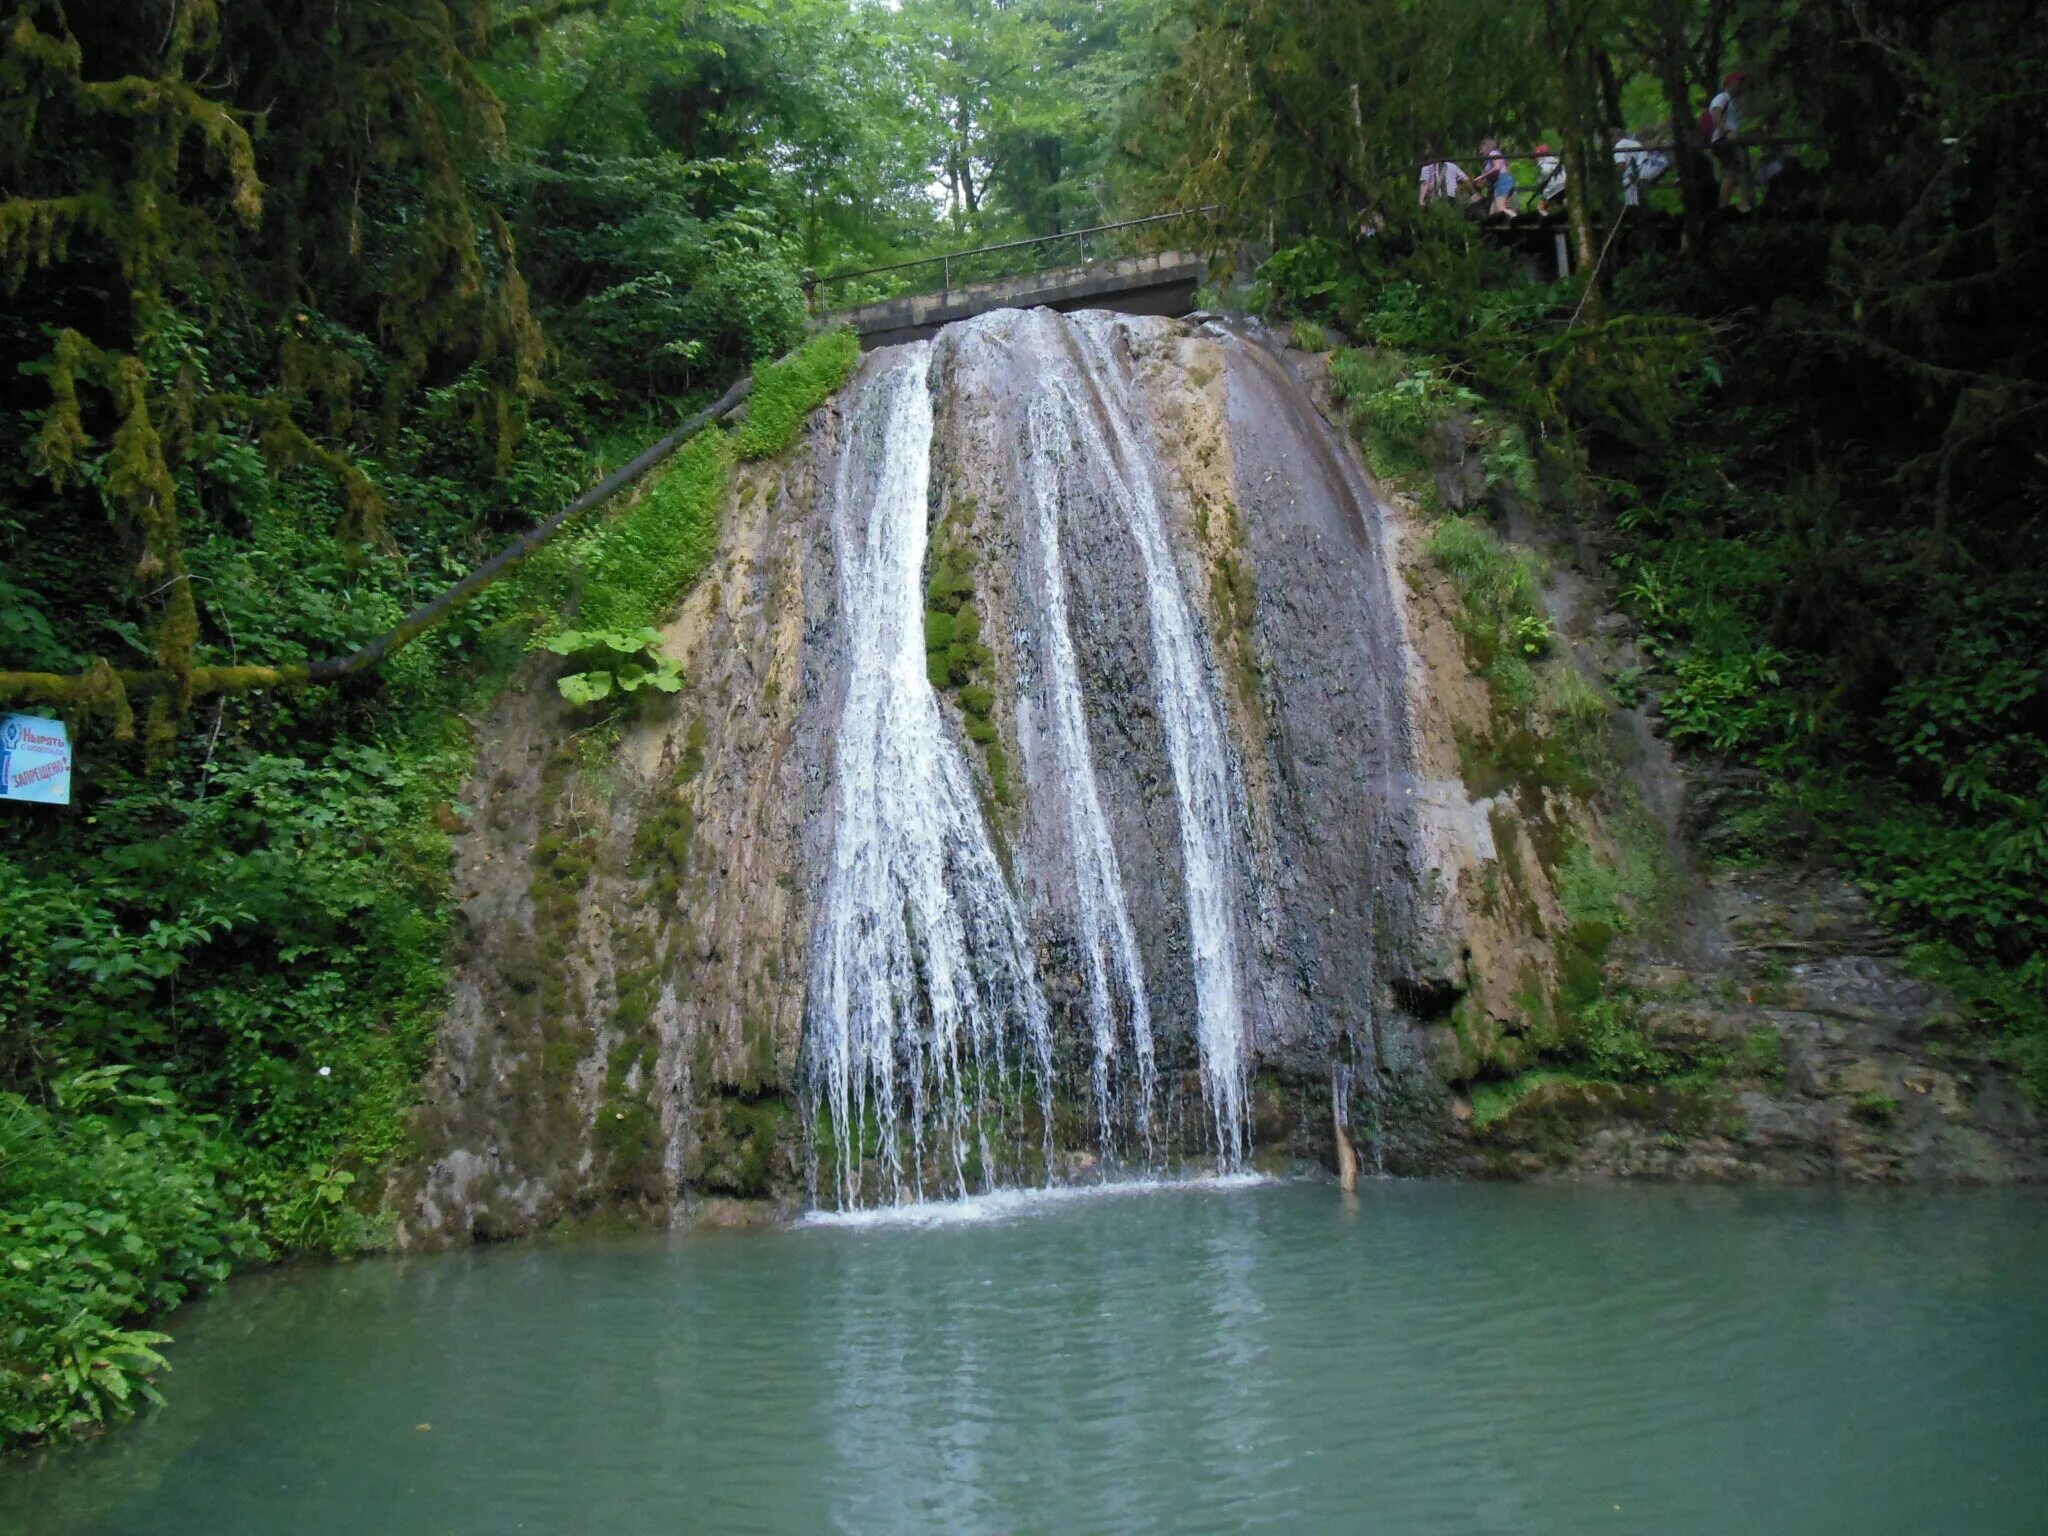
1729, 153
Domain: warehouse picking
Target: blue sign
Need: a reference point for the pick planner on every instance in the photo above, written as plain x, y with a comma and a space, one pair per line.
35, 760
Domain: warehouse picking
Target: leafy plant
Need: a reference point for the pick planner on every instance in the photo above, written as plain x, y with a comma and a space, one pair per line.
112, 1207
1532, 634
616, 662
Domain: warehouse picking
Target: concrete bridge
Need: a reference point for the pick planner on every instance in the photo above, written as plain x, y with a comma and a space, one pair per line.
1161, 283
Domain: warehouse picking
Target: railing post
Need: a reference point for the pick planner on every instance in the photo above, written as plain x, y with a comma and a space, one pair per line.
1082, 241
946, 275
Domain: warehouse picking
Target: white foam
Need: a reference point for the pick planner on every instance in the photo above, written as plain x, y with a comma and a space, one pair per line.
1010, 1204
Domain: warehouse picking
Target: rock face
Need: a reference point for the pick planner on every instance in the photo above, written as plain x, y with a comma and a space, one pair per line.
1073, 767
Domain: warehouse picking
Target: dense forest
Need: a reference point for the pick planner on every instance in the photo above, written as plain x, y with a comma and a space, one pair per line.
313, 306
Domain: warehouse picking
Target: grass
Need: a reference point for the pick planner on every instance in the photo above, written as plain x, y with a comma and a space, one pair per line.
634, 568
787, 391
1307, 336
1495, 1101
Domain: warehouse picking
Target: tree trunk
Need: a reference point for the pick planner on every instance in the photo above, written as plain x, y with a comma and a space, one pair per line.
1694, 193
1577, 118
962, 123
1578, 205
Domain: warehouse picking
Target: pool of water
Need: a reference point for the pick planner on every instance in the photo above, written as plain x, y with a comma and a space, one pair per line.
1420, 1358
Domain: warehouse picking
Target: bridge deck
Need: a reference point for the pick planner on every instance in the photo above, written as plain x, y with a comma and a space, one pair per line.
1162, 283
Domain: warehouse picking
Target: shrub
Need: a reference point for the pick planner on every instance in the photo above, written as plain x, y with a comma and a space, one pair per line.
113, 1207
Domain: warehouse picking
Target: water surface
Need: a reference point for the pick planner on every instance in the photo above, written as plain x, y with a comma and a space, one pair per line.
1425, 1358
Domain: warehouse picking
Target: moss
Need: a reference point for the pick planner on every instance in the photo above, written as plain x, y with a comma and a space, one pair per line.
1539, 1016
1234, 601
1581, 957
661, 845
693, 750
741, 1145
999, 774
559, 866
1875, 1107
1514, 757
1547, 1109
756, 1071
1494, 1102
956, 660
1763, 1056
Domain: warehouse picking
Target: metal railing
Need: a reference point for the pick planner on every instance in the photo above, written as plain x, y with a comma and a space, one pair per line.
974, 265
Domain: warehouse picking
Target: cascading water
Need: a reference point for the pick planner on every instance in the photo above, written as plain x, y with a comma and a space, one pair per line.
960, 907
920, 967
1109, 946
1194, 733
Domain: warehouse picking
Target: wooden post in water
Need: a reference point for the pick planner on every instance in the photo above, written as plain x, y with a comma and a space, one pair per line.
1347, 1157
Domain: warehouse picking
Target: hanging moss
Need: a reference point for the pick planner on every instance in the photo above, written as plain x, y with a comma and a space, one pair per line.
134, 150
956, 661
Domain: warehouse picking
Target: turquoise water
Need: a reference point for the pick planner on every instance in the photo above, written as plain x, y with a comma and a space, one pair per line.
1422, 1358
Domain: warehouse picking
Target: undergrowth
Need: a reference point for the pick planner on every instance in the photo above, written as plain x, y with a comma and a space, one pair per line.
221, 975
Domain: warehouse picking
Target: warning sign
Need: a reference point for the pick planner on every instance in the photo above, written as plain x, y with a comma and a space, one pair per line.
35, 760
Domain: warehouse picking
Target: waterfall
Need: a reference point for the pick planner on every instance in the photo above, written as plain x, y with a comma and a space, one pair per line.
1109, 947
921, 985
1189, 713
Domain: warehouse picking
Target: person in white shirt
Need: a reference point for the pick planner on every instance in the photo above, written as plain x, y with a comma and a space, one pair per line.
1628, 162
1440, 178
1729, 153
1549, 178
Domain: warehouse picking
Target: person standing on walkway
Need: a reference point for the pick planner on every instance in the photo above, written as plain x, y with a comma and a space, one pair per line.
1498, 179
1628, 165
1549, 178
1441, 179
1723, 143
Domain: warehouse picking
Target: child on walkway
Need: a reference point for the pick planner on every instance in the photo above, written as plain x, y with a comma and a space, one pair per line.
1498, 179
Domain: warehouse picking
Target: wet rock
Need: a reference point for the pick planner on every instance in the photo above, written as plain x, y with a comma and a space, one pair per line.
627, 1027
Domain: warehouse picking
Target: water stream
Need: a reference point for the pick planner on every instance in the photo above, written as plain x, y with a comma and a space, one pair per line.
920, 963
925, 999
1116, 976
1189, 712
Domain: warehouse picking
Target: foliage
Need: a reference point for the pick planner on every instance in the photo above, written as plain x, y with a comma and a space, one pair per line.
615, 661
1815, 469
654, 287
632, 568
114, 1206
